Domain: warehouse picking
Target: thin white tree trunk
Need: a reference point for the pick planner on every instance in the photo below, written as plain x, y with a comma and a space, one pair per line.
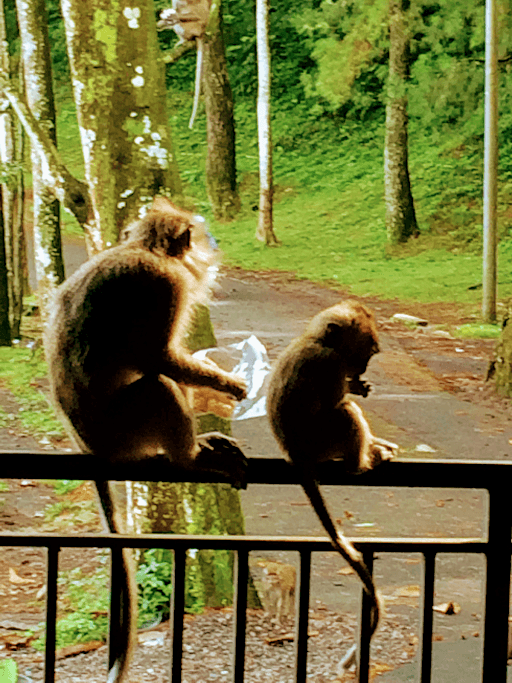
490, 165
265, 230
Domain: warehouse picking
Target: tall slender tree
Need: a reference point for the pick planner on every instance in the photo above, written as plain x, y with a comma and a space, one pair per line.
265, 230
220, 124
12, 189
400, 213
5, 328
35, 48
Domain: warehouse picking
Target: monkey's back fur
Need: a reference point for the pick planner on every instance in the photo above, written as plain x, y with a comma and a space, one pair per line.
111, 322
310, 379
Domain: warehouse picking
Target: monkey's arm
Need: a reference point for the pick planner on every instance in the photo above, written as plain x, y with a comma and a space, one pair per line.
183, 368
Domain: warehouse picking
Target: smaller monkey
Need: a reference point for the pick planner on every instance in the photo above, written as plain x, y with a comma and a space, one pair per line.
188, 19
278, 586
314, 421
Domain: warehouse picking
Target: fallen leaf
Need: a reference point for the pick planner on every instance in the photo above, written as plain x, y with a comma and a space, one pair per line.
447, 608
437, 638
14, 578
412, 591
475, 634
17, 641
72, 650
348, 514
440, 503
287, 637
346, 571
378, 669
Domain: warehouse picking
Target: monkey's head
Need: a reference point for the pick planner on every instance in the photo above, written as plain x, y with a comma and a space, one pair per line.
166, 229
349, 328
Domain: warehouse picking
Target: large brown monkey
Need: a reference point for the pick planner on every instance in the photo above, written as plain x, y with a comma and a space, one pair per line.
116, 359
314, 421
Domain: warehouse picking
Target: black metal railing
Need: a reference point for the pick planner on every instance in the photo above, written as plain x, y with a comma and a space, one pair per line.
492, 476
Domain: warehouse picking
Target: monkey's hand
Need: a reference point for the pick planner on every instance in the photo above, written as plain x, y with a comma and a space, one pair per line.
359, 387
238, 388
220, 453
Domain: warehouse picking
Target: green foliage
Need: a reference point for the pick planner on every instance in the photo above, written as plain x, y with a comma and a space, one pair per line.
478, 331
4, 486
22, 370
154, 578
8, 671
345, 38
63, 486
86, 603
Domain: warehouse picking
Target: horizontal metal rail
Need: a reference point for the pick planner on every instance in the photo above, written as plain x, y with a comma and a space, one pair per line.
424, 473
496, 547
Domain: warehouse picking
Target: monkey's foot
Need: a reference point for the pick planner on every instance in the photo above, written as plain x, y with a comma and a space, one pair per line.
382, 450
220, 453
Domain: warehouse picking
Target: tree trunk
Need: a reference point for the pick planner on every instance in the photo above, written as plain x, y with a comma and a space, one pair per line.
119, 88
8, 159
220, 125
400, 214
5, 328
265, 231
19, 251
35, 48
503, 356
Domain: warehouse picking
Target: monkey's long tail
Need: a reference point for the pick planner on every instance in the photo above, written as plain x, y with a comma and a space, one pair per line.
343, 546
198, 80
125, 639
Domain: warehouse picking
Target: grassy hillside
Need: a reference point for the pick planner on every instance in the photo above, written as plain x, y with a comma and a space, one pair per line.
329, 208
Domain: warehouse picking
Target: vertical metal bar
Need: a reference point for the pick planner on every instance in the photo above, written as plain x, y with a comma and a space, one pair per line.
364, 628
116, 588
177, 614
302, 618
240, 613
52, 565
429, 564
497, 586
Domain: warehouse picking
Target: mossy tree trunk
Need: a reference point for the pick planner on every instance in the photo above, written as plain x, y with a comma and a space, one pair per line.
119, 90
400, 214
220, 125
37, 70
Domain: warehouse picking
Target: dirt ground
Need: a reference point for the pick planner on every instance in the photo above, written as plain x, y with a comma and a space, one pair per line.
456, 366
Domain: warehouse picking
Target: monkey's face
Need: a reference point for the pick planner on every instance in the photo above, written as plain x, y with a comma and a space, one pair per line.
348, 328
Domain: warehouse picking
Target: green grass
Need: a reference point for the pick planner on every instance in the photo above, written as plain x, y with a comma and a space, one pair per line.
21, 371
476, 331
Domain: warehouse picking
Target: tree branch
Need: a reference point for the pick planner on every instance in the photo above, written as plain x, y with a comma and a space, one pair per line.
174, 54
